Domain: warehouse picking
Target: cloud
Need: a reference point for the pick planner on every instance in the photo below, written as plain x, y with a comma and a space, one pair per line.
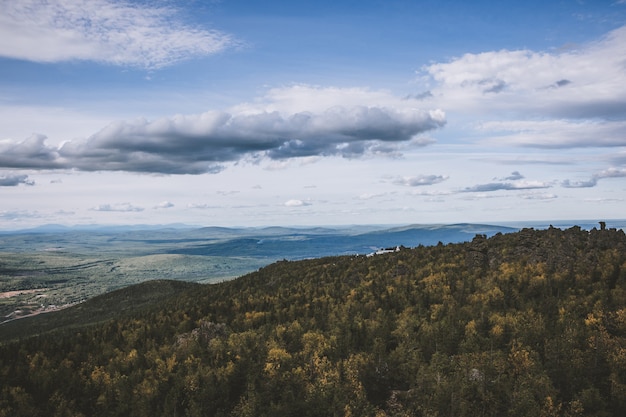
419, 96
562, 83
369, 196
554, 99
297, 203
164, 205
593, 181
493, 85
555, 133
117, 32
420, 180
593, 75
538, 196
32, 152
515, 175
612, 173
201, 206
430, 193
12, 180
123, 207
506, 186
202, 143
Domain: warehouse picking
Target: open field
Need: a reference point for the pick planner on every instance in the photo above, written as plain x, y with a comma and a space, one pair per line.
45, 281
45, 271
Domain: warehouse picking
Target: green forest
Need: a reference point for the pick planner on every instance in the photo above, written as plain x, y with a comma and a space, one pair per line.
531, 323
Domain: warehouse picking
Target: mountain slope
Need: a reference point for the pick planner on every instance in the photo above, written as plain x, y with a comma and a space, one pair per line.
116, 304
522, 324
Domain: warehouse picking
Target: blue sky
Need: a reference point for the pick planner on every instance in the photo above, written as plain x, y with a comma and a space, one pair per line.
241, 113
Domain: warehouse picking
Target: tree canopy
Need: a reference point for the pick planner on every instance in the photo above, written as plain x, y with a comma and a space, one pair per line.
523, 324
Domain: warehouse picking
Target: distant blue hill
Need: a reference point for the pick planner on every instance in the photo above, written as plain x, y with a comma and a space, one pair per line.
262, 243
295, 243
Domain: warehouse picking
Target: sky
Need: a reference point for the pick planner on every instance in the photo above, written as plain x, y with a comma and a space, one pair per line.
245, 113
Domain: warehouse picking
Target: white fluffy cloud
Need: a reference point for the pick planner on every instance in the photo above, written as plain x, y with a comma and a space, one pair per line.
120, 207
420, 180
112, 32
567, 98
538, 196
164, 205
582, 82
297, 203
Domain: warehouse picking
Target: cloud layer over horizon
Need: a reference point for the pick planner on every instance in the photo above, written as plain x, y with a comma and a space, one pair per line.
197, 144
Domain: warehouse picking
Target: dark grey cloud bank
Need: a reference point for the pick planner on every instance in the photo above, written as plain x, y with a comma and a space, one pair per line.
202, 143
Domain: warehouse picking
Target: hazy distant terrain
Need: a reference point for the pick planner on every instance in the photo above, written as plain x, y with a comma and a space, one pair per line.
50, 267
53, 266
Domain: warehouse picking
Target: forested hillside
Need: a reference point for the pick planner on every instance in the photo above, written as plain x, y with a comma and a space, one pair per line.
523, 324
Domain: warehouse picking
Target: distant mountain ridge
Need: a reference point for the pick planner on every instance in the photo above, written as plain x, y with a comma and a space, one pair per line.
277, 242
274, 242
296, 243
